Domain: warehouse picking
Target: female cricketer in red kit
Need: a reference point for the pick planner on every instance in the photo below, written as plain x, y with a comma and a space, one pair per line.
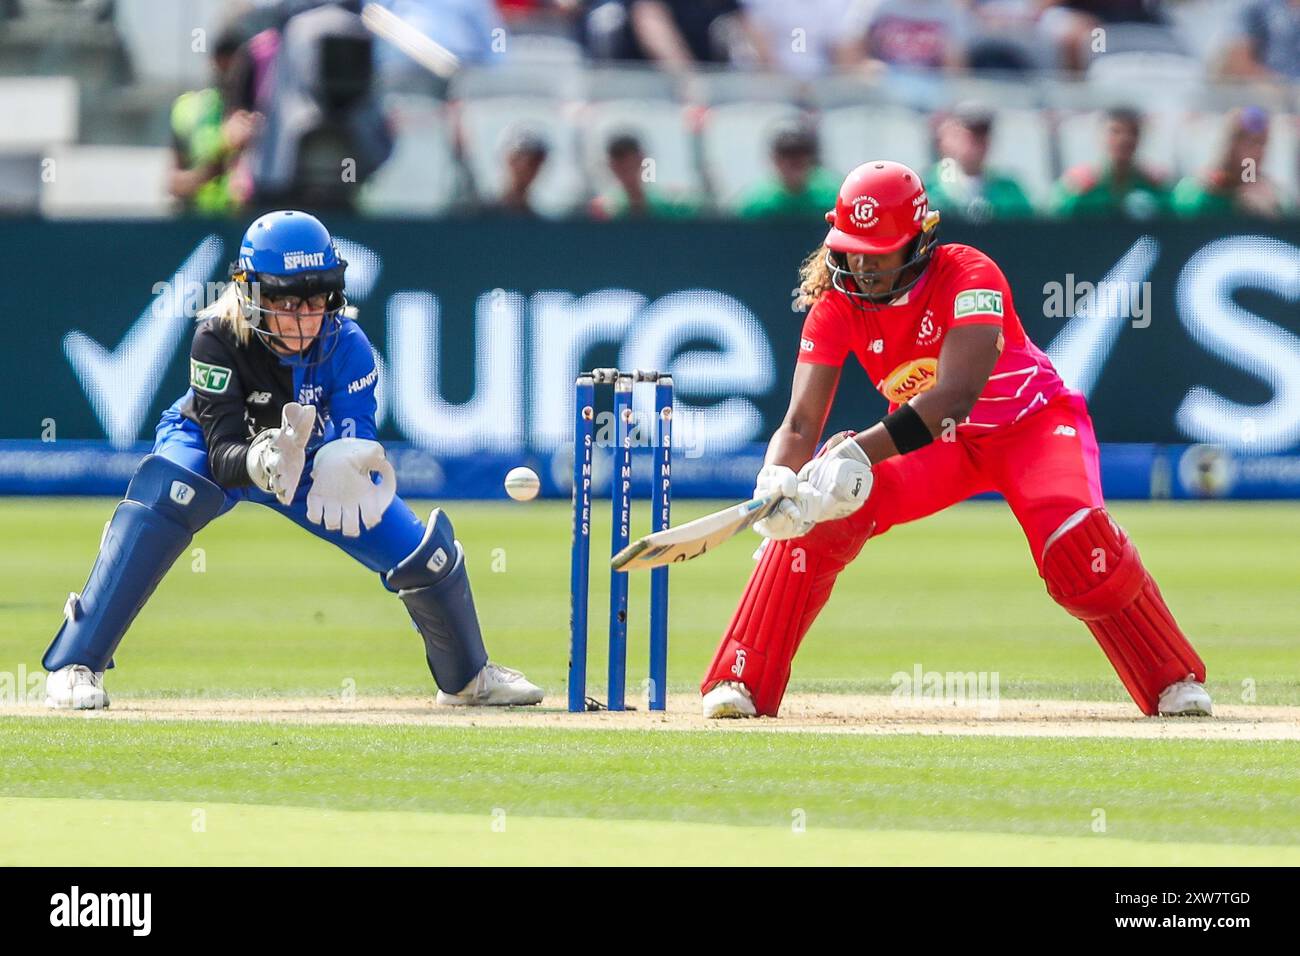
975, 406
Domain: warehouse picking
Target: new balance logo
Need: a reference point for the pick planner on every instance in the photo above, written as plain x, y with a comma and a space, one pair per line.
258, 398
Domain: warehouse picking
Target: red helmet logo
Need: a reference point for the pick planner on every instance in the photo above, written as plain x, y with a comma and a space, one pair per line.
865, 212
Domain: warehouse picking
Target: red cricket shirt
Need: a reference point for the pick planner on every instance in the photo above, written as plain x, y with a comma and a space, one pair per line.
899, 344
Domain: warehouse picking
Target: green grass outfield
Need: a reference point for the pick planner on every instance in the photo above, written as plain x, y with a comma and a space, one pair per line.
264, 609
280, 793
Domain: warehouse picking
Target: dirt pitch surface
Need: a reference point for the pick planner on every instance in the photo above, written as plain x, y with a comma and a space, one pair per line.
801, 713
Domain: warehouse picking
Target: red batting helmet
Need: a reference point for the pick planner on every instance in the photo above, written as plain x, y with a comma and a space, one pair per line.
881, 208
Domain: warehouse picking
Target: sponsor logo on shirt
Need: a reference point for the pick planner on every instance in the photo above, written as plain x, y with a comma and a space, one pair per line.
210, 378
928, 333
303, 260
804, 344
910, 379
877, 345
310, 395
363, 382
865, 212
1066, 430
258, 398
977, 302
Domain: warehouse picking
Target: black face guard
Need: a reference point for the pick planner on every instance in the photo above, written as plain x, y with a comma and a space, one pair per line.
328, 282
899, 280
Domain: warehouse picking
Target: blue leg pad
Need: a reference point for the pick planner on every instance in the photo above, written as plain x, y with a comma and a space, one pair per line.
434, 585
165, 505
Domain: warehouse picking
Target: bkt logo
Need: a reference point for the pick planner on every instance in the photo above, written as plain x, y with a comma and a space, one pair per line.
304, 260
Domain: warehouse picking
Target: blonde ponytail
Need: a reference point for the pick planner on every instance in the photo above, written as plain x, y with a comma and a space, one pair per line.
228, 311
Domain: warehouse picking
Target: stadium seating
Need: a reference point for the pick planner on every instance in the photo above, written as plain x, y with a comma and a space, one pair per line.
421, 177
486, 124
1201, 142
1079, 140
853, 134
661, 126
107, 181
38, 111
1022, 147
118, 67
41, 115
735, 143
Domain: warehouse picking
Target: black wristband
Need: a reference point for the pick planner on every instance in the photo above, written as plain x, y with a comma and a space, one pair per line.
907, 429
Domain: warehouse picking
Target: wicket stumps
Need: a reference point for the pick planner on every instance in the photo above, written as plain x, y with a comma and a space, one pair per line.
584, 420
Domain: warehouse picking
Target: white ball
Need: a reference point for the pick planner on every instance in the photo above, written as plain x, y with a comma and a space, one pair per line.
522, 484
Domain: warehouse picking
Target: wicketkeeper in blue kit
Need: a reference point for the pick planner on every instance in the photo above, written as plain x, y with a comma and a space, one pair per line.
280, 411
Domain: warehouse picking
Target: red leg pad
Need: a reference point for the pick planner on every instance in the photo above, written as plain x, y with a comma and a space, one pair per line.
1093, 571
791, 584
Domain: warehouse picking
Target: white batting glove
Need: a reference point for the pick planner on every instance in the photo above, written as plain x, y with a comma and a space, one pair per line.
794, 516
276, 455
797, 512
841, 475
343, 493
775, 478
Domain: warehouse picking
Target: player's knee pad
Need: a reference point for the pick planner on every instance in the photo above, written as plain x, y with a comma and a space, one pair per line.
165, 505
791, 583
433, 583
1092, 569
842, 540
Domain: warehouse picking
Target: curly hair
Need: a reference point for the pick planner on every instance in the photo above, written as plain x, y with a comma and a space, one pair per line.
814, 279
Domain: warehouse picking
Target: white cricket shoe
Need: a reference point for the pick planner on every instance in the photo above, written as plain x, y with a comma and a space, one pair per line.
729, 699
1186, 698
75, 687
495, 686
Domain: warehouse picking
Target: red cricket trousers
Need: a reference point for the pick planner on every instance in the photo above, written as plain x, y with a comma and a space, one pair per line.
1046, 467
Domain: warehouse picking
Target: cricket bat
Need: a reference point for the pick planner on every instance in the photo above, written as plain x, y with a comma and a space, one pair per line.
420, 47
694, 538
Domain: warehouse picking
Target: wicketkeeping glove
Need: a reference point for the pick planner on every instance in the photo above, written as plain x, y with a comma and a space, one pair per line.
343, 492
276, 455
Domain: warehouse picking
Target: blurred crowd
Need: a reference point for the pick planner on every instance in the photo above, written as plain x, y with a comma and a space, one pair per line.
813, 37
297, 84
1119, 185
